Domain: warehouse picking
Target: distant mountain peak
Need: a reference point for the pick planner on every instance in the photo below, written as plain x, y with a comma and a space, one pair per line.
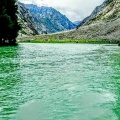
77, 23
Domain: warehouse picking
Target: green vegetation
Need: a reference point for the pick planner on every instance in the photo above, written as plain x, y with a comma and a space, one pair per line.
9, 26
66, 41
23, 32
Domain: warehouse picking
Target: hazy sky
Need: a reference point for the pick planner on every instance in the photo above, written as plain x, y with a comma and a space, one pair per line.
73, 9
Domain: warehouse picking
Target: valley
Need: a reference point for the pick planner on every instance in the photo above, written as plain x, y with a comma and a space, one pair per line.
45, 74
102, 24
42, 20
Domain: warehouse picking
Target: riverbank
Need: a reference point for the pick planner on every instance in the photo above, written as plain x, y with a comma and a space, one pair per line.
101, 32
65, 41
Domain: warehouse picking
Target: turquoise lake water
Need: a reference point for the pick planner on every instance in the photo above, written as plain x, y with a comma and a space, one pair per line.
60, 82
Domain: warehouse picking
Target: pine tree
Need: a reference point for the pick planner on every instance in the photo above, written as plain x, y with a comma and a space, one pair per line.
9, 26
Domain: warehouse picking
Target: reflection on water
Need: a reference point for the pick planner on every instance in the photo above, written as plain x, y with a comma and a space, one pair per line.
9, 78
60, 82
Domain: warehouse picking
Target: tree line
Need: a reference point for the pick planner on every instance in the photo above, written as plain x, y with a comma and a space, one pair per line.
9, 25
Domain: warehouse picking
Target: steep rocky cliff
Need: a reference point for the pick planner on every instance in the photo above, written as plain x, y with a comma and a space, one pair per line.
48, 19
25, 19
108, 11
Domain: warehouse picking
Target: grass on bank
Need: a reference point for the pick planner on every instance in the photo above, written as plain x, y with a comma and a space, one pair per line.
66, 41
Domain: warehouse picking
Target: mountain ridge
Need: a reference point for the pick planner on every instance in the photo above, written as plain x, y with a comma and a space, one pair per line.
102, 13
26, 21
41, 20
48, 19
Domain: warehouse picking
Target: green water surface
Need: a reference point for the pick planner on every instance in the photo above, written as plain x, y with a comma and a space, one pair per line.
60, 82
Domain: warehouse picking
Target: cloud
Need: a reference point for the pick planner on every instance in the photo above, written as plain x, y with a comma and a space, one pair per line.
73, 9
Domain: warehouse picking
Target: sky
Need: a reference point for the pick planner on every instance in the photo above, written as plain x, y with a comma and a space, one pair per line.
75, 10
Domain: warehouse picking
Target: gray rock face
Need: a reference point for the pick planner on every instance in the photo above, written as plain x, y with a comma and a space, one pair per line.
26, 21
102, 12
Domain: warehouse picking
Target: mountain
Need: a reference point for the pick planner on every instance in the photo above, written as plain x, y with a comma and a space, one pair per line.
109, 10
103, 23
26, 21
41, 20
48, 19
77, 23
